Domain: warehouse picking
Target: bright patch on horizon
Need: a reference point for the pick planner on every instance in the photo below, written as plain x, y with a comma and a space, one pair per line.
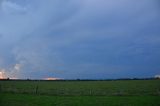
52, 78
157, 76
2, 76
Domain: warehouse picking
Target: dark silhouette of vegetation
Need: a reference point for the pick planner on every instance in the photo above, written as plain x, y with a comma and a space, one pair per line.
152, 78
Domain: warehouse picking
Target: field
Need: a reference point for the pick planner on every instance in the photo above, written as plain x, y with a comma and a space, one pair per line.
80, 93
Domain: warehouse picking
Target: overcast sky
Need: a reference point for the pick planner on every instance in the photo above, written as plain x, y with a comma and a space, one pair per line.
80, 38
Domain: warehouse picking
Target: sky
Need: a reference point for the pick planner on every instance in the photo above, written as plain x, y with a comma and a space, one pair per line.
79, 39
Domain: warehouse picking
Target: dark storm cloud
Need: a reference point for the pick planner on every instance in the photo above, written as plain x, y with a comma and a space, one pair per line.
80, 39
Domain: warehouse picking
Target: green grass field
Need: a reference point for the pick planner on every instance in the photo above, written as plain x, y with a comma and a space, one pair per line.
80, 93
42, 100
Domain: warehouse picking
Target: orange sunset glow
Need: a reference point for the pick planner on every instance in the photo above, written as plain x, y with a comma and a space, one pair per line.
51, 78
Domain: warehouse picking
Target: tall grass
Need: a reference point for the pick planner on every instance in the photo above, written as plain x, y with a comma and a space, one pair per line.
83, 88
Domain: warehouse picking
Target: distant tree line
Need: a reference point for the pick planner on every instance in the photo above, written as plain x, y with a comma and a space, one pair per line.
80, 79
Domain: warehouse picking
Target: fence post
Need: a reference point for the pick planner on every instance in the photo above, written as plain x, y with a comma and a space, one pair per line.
0, 88
90, 92
36, 89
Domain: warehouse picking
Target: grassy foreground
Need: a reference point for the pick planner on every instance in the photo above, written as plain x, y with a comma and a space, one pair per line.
80, 93
83, 88
41, 100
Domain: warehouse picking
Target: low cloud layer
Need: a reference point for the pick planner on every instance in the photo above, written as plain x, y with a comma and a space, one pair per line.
79, 39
